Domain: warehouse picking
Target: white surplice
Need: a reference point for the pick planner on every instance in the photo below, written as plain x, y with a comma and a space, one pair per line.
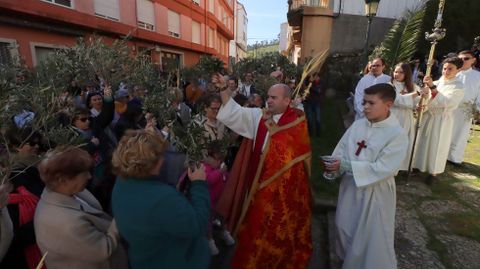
365, 217
462, 115
436, 128
367, 81
403, 109
243, 120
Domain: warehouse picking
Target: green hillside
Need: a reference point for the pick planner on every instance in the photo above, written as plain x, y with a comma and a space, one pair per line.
262, 50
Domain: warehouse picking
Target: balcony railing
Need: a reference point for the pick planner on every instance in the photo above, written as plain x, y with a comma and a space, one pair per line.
311, 3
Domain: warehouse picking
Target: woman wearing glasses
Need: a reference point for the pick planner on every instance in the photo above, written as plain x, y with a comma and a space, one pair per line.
94, 127
214, 129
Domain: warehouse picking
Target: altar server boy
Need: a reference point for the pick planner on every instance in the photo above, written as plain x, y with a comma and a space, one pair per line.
369, 155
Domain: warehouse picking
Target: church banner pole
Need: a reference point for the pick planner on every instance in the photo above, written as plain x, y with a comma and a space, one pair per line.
437, 35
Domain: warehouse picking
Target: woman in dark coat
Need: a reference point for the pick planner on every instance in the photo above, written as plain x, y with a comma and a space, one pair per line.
162, 228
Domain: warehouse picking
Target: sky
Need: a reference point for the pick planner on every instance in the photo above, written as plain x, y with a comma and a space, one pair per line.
264, 18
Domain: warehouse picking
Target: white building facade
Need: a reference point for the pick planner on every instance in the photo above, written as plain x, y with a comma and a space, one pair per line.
238, 46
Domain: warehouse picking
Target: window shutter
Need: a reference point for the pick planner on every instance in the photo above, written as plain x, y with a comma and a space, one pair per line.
146, 14
196, 32
173, 23
107, 8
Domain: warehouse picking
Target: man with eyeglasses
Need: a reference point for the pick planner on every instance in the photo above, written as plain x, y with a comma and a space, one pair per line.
375, 76
464, 113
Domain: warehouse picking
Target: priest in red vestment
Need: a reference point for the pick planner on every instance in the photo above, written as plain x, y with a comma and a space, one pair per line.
273, 227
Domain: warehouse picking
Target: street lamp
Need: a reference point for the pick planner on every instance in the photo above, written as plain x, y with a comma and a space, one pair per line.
371, 8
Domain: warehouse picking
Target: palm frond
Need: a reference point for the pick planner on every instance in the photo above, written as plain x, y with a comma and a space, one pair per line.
401, 41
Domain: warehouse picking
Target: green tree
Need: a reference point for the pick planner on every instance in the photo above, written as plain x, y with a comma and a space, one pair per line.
400, 43
461, 20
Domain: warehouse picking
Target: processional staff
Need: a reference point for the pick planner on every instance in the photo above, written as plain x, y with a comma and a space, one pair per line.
437, 34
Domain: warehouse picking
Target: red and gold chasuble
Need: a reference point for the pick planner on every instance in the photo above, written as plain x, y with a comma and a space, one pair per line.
275, 223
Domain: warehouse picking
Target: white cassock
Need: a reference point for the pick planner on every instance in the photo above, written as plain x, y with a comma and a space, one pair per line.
367, 81
436, 128
242, 120
403, 109
365, 217
462, 115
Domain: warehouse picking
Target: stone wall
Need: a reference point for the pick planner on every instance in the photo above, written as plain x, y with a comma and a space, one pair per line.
349, 31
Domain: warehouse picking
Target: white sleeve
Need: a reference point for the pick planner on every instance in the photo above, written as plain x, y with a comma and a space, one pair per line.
404, 100
449, 100
242, 120
359, 92
477, 95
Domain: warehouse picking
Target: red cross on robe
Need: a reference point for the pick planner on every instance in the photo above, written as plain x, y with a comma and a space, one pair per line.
361, 145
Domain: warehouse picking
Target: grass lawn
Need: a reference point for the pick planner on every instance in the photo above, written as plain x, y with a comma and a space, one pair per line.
332, 131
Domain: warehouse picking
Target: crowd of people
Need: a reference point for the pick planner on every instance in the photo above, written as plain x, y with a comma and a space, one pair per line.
126, 198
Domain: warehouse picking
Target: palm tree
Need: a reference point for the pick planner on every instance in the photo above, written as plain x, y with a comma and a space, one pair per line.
401, 41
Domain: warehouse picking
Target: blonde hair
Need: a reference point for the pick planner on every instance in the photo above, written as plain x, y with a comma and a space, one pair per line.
137, 153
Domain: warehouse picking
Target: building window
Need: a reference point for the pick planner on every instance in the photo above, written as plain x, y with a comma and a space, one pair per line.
146, 14
196, 2
108, 9
210, 37
42, 53
211, 6
8, 52
196, 32
171, 61
173, 24
65, 3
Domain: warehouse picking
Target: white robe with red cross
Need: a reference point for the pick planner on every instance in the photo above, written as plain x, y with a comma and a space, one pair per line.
365, 217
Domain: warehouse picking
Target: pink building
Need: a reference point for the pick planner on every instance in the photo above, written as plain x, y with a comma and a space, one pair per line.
177, 32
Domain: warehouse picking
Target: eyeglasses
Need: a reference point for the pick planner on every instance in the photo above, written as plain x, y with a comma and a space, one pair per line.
83, 119
375, 65
214, 108
466, 58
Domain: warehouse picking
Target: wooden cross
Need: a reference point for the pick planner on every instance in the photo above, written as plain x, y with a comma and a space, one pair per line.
361, 145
